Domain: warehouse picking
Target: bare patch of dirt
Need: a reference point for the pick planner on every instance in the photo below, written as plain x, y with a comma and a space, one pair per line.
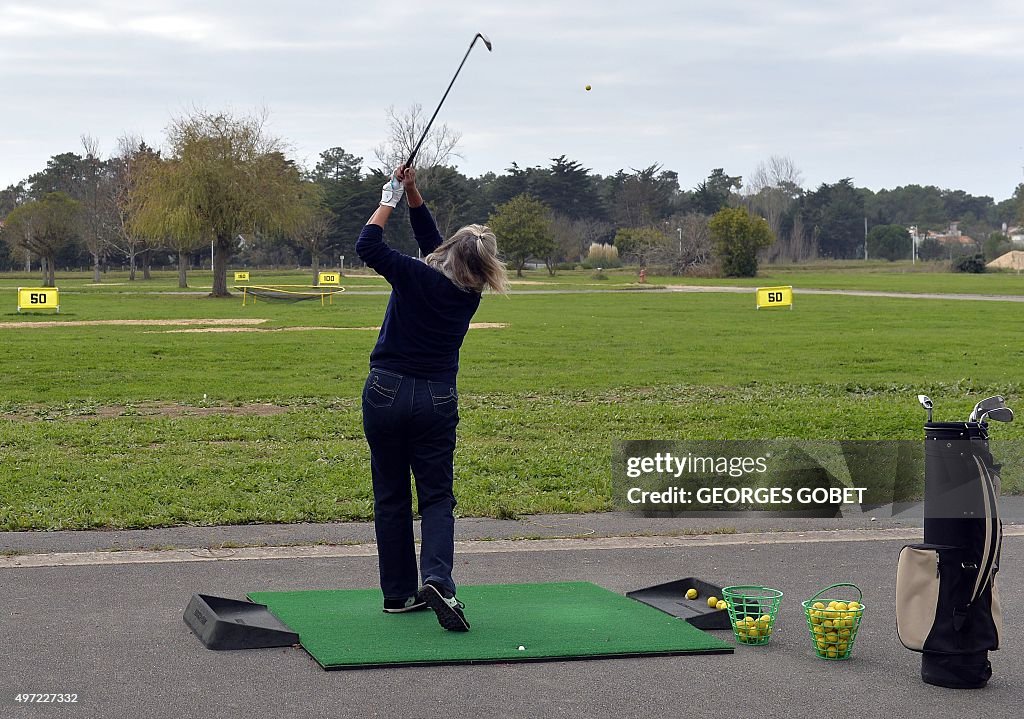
132, 323
147, 409
472, 326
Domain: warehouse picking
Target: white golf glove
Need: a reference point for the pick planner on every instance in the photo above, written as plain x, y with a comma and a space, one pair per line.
393, 192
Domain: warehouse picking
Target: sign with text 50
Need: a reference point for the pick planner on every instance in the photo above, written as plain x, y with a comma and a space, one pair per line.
38, 298
329, 278
775, 297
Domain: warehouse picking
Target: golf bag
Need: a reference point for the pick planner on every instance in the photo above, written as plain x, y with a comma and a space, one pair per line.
947, 603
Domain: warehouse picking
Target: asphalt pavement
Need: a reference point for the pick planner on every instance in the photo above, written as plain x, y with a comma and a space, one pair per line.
113, 634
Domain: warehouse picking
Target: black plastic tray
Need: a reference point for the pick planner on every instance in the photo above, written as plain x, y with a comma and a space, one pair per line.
671, 599
222, 623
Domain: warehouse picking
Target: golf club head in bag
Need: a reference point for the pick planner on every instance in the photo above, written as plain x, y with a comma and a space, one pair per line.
926, 402
989, 403
999, 414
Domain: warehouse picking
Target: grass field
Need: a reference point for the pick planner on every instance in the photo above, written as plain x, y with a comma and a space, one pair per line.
138, 426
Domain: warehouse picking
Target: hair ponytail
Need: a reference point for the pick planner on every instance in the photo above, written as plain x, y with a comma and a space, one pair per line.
469, 258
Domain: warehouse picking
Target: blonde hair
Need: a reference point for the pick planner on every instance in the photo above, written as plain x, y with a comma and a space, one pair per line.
469, 258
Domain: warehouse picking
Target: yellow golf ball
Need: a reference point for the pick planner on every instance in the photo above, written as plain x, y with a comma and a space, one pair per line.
588, 88
712, 601
691, 593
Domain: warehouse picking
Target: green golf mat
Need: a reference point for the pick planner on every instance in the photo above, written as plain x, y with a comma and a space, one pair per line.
346, 629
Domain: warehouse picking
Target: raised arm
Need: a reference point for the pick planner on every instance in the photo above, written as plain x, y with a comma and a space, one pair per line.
398, 268
424, 229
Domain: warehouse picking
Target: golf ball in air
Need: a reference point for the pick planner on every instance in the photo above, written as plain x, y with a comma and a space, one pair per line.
588, 88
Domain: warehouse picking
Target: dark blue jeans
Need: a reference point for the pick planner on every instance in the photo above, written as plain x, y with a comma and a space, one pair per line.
410, 425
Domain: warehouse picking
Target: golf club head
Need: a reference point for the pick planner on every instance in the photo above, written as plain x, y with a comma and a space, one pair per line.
999, 414
483, 37
926, 402
989, 403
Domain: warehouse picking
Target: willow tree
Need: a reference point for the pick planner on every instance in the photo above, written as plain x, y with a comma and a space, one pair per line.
44, 227
224, 176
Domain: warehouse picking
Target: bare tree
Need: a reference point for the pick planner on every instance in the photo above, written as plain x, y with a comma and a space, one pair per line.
772, 189
312, 232
695, 246
97, 204
404, 130
689, 246
126, 170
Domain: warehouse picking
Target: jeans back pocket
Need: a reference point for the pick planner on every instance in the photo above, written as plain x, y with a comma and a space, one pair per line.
444, 397
381, 388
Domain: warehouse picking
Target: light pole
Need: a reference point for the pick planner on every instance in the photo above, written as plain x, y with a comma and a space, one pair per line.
680, 231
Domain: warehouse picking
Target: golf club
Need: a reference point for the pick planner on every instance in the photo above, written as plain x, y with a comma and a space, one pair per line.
999, 414
926, 403
481, 36
988, 403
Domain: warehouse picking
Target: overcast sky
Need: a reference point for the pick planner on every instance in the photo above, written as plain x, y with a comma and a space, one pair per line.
887, 92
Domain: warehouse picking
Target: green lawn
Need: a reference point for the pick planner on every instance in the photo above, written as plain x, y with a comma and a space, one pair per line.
542, 399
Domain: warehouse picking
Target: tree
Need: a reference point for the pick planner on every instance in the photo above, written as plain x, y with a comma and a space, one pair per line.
312, 226
523, 228
225, 176
889, 242
713, 194
930, 249
695, 246
98, 202
63, 173
348, 195
773, 191
453, 199
642, 198
568, 188
737, 236
44, 227
641, 244
969, 263
10, 198
574, 237
404, 131
336, 166
126, 169
835, 215
996, 245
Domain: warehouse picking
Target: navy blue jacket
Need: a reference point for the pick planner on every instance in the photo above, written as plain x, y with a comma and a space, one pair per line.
427, 316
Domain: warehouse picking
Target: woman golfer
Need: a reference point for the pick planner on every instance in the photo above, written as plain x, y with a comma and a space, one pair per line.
410, 402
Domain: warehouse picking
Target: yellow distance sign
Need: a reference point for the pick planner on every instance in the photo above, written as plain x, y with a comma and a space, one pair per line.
329, 278
241, 276
38, 298
775, 297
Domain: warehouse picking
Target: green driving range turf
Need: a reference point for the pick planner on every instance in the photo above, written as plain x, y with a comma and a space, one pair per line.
346, 629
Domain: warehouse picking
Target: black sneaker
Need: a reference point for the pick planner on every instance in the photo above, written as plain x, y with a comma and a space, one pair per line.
447, 608
410, 604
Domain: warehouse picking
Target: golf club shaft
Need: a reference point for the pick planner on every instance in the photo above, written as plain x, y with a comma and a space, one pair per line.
423, 137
